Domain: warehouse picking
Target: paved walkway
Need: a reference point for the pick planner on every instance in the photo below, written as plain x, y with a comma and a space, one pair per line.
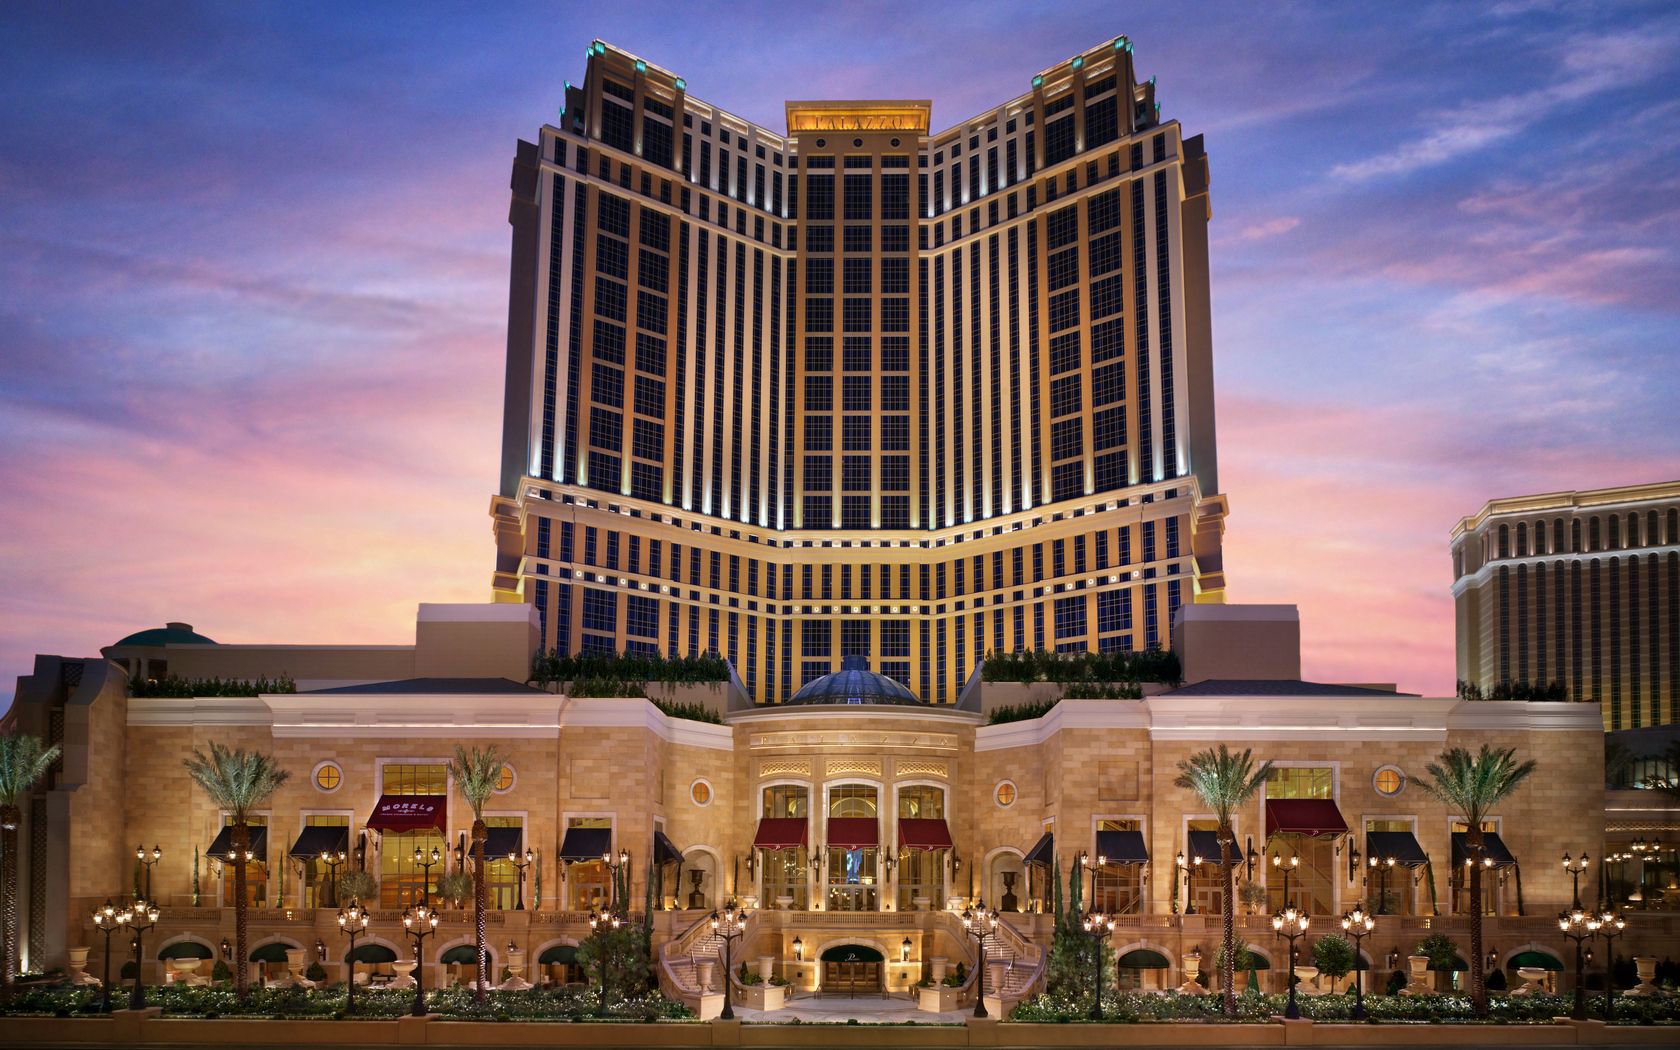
837, 1009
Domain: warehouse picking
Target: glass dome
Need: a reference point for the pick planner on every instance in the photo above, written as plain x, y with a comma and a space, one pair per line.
855, 683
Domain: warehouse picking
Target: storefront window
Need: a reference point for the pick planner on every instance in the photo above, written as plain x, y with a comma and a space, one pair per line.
1206, 887
852, 873
501, 877
1396, 894
783, 872
921, 872
1118, 888
1492, 880
403, 881
589, 882
1312, 886
256, 872
316, 874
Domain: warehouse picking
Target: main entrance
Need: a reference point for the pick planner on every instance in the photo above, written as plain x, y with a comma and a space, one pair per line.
850, 970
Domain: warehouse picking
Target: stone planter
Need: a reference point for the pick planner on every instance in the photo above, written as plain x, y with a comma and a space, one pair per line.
1308, 976
77, 965
921, 903
703, 971
995, 969
784, 903
516, 972
766, 967
938, 966
1192, 967
937, 998
763, 996
404, 969
1646, 967
185, 971
1421, 982
1534, 979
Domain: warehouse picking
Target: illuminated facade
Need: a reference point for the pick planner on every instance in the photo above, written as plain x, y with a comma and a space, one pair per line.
1580, 588
861, 389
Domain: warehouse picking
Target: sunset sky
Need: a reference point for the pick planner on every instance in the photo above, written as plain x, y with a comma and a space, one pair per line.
253, 282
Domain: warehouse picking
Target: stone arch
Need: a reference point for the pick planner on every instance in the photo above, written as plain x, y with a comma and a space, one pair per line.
995, 863
401, 951
862, 941
466, 941
704, 858
180, 938
1171, 977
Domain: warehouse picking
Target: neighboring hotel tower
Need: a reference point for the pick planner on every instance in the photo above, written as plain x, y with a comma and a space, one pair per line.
860, 389
1581, 588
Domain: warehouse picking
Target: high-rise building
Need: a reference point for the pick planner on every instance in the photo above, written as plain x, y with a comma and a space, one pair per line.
1576, 588
860, 389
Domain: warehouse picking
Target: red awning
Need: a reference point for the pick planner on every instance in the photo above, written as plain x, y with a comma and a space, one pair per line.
782, 833
409, 813
1303, 816
853, 833
923, 833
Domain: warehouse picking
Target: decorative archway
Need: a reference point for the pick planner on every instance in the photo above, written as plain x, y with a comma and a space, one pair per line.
851, 965
554, 960
1001, 860
185, 946
1149, 974
705, 860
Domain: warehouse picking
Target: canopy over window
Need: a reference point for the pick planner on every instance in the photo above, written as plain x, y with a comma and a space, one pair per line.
272, 952
1122, 847
223, 842
1043, 851
1304, 816
664, 850
558, 953
1143, 959
1403, 846
409, 813
923, 833
186, 950
853, 833
461, 953
586, 843
499, 842
782, 833
1492, 845
1532, 957
372, 953
314, 841
1205, 844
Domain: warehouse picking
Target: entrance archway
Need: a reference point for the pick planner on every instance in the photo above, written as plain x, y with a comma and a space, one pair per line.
1006, 894
852, 970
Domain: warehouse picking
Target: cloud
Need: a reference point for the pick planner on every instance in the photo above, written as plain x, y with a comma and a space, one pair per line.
1587, 68
1270, 228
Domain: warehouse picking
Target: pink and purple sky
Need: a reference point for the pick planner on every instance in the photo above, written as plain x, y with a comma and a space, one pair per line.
253, 266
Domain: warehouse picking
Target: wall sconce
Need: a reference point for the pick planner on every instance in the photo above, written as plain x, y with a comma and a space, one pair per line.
320, 950
1394, 958
904, 951
227, 950
798, 950
956, 862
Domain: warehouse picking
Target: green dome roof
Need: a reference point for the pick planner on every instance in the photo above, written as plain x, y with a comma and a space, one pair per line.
168, 634
854, 683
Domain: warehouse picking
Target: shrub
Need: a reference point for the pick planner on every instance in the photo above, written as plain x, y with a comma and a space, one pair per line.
1333, 955
316, 973
456, 887
1244, 957
1441, 950
183, 688
357, 885
221, 973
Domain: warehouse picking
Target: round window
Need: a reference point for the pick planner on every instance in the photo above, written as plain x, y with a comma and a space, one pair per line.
701, 792
328, 776
505, 779
1389, 781
1005, 793
821, 143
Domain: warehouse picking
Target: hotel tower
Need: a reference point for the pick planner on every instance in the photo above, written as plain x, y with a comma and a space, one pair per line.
860, 389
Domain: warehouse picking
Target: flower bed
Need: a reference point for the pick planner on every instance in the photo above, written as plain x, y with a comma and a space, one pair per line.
1383, 1009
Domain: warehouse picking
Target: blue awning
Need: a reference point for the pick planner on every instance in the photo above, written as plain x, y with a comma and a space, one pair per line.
1492, 845
1122, 847
1403, 846
1044, 851
586, 843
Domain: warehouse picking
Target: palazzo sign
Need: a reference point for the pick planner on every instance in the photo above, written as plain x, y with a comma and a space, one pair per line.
910, 117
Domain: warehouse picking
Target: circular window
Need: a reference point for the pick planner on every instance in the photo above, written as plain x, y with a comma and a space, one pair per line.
856, 143
701, 792
328, 776
1389, 781
505, 779
821, 143
1005, 793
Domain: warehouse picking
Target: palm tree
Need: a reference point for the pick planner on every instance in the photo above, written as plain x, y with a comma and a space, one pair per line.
23, 761
1473, 785
238, 781
476, 773
1224, 781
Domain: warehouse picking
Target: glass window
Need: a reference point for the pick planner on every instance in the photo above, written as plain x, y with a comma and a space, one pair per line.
328, 776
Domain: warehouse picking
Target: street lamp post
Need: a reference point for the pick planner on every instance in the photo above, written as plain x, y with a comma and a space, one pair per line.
1382, 866
1291, 923
332, 859
1611, 924
1358, 924
148, 857
1188, 867
352, 923
142, 916
1579, 927
514, 859
1287, 865
614, 867
980, 922
729, 924
107, 919
420, 923
600, 923
1575, 866
425, 863
1098, 926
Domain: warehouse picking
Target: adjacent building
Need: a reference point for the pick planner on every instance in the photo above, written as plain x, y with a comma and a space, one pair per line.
1576, 588
859, 387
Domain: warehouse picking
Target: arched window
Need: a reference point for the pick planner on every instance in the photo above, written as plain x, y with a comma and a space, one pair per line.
1504, 541
1522, 539
1594, 537
1575, 535
1651, 529
1557, 535
1673, 535
1615, 528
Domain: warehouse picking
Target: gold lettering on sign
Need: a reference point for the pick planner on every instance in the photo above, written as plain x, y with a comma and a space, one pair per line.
858, 738
876, 116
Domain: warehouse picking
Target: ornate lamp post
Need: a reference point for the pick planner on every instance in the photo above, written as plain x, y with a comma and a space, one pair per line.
352, 923
729, 924
1291, 923
1611, 924
514, 859
425, 863
142, 916
107, 919
600, 923
1575, 867
1098, 925
332, 859
1579, 927
1358, 925
980, 922
1287, 865
148, 857
1383, 866
1188, 867
419, 923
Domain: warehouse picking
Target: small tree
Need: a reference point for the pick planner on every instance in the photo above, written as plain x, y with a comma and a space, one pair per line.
1333, 955
357, 885
23, 762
